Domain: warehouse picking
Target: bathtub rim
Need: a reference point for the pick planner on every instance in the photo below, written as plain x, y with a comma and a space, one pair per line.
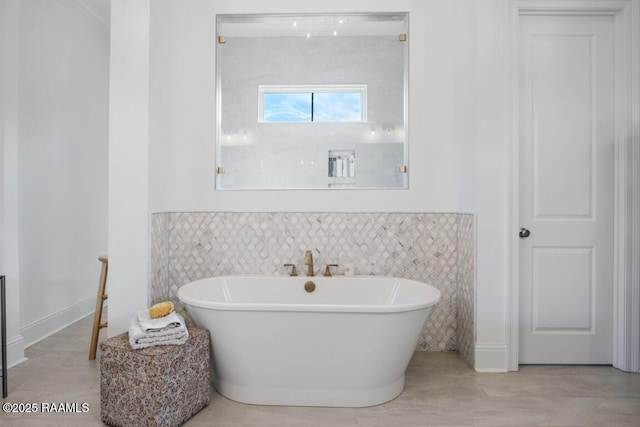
299, 307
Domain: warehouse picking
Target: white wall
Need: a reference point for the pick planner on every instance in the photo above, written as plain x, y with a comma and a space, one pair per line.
434, 151
128, 161
161, 106
492, 187
55, 164
457, 131
9, 18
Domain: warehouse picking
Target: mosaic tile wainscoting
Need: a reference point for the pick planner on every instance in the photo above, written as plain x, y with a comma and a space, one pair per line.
466, 290
434, 248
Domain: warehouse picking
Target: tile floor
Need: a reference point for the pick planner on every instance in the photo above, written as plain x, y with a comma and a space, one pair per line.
440, 391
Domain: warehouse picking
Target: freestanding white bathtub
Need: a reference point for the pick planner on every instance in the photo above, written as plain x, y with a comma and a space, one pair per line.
347, 343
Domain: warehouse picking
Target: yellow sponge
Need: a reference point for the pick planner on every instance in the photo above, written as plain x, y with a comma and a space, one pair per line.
160, 309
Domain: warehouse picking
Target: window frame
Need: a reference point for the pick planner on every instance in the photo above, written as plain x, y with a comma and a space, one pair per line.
286, 88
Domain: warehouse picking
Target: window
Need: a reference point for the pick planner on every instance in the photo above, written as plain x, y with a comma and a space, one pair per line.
305, 104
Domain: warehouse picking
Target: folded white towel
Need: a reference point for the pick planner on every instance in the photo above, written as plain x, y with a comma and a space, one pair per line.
160, 341
171, 320
139, 338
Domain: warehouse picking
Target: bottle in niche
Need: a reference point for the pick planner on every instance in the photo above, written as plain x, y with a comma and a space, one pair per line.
341, 164
352, 164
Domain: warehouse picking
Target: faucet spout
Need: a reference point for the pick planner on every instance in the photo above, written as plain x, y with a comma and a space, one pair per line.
308, 261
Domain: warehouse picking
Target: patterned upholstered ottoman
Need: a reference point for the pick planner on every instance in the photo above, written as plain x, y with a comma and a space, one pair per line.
156, 386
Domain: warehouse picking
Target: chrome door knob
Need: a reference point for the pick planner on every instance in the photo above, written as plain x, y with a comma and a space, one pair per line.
524, 233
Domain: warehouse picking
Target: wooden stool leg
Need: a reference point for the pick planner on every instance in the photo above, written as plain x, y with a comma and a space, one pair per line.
97, 317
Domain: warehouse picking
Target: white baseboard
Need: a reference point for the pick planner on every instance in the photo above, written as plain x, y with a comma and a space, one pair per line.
15, 351
491, 358
45, 326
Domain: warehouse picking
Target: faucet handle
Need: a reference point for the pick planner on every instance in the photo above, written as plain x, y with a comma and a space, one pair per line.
294, 270
327, 269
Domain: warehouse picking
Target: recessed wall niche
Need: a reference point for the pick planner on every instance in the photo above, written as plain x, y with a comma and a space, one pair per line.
292, 87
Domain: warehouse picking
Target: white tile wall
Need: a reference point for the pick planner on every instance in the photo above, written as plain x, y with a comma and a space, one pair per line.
420, 246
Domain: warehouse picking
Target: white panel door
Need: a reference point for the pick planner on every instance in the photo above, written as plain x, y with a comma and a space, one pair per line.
566, 134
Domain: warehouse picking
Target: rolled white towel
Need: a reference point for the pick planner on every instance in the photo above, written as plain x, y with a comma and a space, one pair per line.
148, 324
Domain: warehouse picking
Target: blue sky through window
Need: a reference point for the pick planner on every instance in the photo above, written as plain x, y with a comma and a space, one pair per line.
337, 107
287, 107
326, 106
